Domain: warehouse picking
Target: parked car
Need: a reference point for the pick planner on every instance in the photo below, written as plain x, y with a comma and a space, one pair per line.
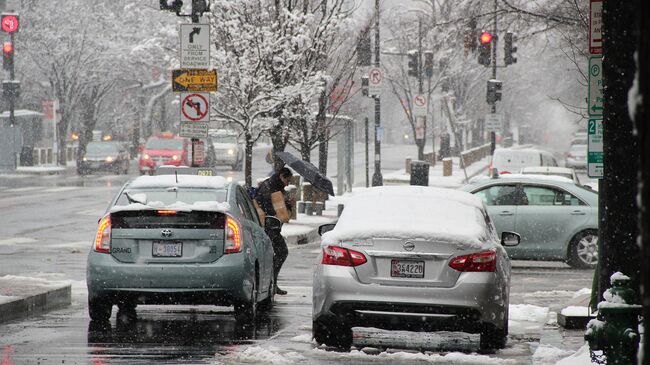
181, 238
567, 172
164, 149
104, 156
413, 258
512, 160
556, 218
227, 149
576, 157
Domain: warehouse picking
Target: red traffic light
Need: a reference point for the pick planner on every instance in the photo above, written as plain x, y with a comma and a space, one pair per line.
485, 38
7, 48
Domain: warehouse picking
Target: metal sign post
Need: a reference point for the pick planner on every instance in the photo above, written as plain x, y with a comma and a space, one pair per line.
595, 148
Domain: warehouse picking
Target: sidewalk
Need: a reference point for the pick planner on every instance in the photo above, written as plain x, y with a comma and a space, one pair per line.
436, 178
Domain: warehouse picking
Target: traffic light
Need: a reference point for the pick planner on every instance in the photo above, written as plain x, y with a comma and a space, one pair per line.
8, 56
485, 49
414, 63
364, 85
364, 49
493, 91
428, 63
173, 5
509, 48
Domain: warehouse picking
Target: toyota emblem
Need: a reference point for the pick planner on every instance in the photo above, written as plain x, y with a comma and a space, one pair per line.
166, 233
409, 246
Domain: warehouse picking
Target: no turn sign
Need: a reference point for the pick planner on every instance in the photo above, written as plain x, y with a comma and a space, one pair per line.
195, 107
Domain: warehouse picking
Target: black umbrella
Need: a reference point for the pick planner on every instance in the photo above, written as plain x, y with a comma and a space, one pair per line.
307, 171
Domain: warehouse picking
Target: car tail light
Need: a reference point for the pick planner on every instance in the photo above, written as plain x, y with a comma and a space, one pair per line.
485, 261
335, 255
103, 236
233, 236
166, 212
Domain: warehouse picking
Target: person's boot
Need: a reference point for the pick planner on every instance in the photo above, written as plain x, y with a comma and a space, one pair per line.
279, 291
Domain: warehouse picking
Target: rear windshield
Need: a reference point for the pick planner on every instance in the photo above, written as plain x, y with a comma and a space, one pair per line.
148, 219
164, 144
171, 195
101, 148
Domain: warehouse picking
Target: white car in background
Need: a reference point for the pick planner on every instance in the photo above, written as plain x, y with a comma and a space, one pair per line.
576, 157
512, 160
227, 149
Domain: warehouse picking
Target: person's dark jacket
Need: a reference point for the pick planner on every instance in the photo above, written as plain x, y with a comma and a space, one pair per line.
269, 199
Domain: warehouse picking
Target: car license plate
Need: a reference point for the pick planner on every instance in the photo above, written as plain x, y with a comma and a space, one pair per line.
167, 249
406, 269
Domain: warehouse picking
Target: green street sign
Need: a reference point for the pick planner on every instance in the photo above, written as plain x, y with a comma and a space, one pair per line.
595, 90
595, 148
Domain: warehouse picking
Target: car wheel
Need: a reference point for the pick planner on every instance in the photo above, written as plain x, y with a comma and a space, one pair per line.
583, 250
493, 338
268, 303
246, 311
332, 333
99, 309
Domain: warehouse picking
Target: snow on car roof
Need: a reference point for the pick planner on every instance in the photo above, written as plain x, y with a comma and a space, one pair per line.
414, 212
546, 178
181, 181
567, 170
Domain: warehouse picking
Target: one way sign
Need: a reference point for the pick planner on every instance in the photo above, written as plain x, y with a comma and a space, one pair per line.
195, 45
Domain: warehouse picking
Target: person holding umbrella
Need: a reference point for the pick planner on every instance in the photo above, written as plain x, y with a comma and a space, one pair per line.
270, 202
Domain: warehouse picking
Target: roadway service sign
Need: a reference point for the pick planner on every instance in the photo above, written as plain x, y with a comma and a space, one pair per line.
595, 148
195, 45
194, 80
595, 93
493, 123
596, 27
375, 80
195, 107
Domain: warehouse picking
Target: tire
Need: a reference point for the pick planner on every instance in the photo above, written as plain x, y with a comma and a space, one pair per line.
493, 339
332, 333
268, 303
246, 311
99, 309
583, 250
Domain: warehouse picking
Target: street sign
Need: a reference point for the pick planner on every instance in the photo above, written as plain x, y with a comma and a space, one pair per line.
375, 80
419, 105
195, 45
595, 97
194, 130
194, 80
420, 123
195, 107
9, 22
493, 123
199, 152
595, 148
595, 27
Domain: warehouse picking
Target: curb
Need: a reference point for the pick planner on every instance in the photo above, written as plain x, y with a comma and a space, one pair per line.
35, 300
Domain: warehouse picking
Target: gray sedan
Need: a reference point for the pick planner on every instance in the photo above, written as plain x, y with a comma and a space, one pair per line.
180, 239
412, 258
556, 218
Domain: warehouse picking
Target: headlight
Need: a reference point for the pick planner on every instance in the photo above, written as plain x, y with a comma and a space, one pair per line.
109, 159
231, 151
146, 157
174, 157
84, 159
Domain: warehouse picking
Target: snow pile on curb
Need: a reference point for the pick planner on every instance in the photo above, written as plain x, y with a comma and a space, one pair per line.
403, 357
527, 320
546, 354
272, 355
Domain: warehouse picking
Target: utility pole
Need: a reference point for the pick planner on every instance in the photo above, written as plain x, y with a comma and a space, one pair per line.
367, 157
493, 137
377, 179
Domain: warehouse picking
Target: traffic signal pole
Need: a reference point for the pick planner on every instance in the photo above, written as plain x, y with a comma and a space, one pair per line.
493, 136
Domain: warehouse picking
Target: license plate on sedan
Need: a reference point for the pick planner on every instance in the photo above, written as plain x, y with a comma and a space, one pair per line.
167, 249
406, 269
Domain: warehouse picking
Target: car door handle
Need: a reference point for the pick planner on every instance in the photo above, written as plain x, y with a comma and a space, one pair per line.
578, 212
506, 212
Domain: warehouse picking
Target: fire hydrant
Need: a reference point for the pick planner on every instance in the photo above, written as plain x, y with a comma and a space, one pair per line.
615, 331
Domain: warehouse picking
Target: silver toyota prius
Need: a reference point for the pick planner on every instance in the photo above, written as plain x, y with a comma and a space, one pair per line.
180, 239
412, 258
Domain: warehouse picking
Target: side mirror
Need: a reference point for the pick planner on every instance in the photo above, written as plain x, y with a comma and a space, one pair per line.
272, 223
510, 239
325, 228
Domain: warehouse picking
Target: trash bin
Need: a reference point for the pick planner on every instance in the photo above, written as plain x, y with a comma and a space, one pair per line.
419, 173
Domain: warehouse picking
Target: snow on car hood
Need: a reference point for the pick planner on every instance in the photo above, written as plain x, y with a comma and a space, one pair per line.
205, 206
413, 212
181, 181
